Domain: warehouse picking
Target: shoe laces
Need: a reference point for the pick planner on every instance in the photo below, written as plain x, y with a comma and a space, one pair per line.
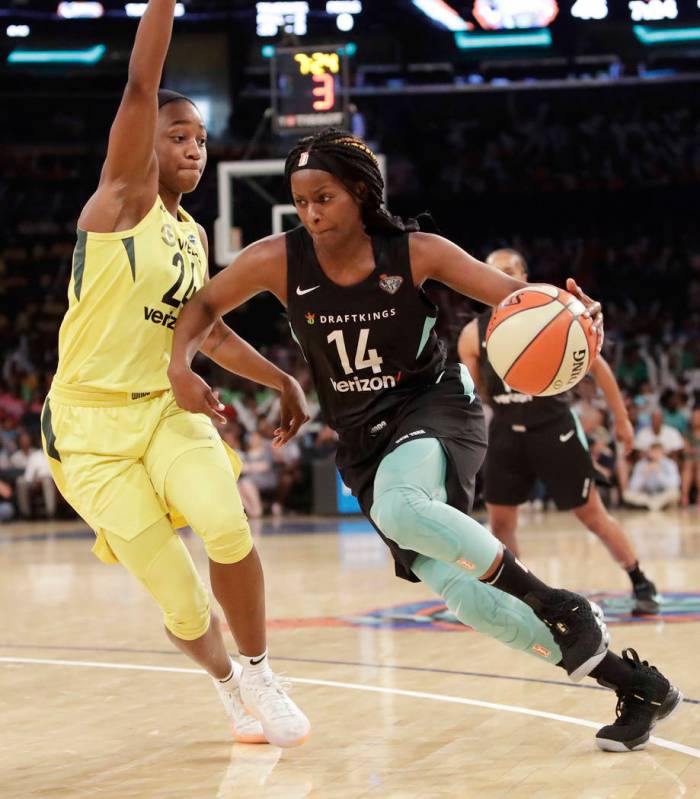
637, 695
630, 656
270, 689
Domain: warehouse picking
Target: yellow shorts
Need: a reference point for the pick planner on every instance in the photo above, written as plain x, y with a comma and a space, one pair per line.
126, 461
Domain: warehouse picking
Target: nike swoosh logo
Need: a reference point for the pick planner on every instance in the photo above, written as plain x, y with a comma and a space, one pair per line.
566, 436
260, 660
301, 291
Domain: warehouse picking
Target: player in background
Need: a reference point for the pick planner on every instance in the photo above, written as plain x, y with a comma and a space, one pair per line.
541, 437
410, 426
121, 451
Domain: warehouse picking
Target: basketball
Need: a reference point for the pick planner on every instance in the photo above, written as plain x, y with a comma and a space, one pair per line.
539, 342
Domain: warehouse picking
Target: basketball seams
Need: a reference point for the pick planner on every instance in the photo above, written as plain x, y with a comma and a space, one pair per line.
563, 352
539, 332
490, 329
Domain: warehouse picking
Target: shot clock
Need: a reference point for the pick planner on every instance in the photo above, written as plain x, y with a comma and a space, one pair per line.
309, 88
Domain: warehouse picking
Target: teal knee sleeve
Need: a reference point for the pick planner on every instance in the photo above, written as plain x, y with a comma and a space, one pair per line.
410, 508
488, 610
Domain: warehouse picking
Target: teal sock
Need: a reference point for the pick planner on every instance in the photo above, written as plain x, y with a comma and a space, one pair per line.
488, 610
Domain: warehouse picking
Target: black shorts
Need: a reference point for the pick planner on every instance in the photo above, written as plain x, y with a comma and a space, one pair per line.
555, 452
440, 410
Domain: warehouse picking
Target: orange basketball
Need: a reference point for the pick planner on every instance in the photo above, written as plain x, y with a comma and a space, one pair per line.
539, 342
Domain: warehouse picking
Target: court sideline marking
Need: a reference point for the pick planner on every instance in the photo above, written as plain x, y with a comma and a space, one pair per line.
458, 700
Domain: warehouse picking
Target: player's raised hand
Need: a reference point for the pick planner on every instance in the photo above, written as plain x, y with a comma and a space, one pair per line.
194, 394
294, 412
593, 309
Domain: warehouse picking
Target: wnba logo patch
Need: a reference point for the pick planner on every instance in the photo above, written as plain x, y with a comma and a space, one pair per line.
168, 235
390, 283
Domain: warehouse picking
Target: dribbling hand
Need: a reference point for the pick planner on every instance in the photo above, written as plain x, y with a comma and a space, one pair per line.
195, 395
294, 412
594, 310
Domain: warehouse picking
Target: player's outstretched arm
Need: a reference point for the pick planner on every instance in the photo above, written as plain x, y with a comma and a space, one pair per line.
435, 258
130, 170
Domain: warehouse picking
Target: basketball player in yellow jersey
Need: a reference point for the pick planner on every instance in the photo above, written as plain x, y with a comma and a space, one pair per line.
122, 452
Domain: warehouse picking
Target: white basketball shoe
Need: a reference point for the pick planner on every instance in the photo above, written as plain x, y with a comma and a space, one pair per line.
265, 698
246, 729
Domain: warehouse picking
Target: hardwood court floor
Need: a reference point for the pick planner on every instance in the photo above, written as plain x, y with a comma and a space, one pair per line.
95, 703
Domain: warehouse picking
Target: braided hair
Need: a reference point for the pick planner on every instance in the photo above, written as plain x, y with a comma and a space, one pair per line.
359, 164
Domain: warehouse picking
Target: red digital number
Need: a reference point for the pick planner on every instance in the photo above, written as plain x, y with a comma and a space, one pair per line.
325, 92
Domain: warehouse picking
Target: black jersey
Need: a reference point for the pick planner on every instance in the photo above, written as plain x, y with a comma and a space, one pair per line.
369, 346
510, 406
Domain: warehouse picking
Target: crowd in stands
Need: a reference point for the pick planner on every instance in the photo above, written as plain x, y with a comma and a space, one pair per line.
642, 263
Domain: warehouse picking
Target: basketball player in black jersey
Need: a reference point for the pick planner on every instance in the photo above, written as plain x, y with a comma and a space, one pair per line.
540, 437
410, 426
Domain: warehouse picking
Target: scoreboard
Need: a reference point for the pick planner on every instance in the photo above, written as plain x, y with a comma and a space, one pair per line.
309, 88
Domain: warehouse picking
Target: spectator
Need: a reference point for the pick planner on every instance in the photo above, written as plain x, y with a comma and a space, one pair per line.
25, 447
691, 465
669, 438
258, 474
37, 477
635, 368
7, 510
655, 481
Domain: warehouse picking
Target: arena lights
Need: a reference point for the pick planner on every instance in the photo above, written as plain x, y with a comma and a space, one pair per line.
138, 9
653, 10
443, 14
590, 9
80, 10
289, 17
665, 36
17, 31
509, 14
482, 41
344, 11
343, 7
90, 56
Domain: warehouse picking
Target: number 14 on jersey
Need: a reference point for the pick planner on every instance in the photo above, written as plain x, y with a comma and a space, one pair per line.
364, 358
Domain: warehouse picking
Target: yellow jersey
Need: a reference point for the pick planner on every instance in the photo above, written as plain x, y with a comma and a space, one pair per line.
125, 294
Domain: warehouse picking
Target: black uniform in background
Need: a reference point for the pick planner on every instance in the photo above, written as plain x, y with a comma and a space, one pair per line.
530, 438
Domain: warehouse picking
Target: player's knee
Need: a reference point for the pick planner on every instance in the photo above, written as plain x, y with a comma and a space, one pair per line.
231, 546
225, 531
395, 510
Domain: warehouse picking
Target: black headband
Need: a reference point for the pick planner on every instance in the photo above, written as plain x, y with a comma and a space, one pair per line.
166, 96
311, 159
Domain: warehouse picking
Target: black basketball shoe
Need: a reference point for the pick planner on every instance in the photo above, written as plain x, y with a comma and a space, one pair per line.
577, 625
646, 601
651, 698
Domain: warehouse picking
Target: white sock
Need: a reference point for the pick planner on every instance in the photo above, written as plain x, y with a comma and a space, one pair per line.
234, 674
254, 663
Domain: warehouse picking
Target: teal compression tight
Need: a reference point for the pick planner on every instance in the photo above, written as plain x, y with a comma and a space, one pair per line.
410, 507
